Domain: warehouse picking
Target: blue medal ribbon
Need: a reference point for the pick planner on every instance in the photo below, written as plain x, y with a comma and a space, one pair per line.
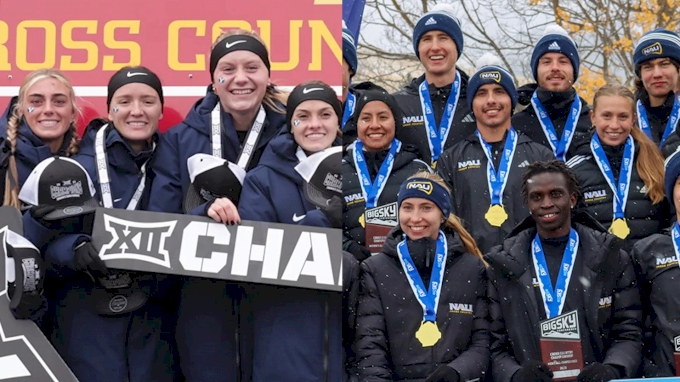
349, 108
675, 233
620, 192
372, 190
498, 179
554, 298
437, 138
428, 299
560, 146
671, 125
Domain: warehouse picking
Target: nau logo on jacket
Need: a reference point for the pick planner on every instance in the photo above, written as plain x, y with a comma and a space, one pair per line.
665, 262
469, 164
413, 120
595, 196
455, 307
354, 198
605, 302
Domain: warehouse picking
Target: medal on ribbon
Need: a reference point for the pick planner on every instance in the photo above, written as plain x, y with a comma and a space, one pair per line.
496, 214
671, 125
428, 334
437, 137
560, 146
620, 187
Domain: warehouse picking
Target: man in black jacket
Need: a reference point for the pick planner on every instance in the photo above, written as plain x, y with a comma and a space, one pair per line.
552, 265
556, 116
434, 108
490, 209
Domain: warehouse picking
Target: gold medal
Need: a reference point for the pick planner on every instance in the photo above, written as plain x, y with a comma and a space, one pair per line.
428, 334
362, 221
619, 228
496, 215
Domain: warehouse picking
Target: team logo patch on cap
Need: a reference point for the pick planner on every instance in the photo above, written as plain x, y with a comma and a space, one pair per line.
333, 183
118, 303
655, 48
496, 76
66, 189
425, 187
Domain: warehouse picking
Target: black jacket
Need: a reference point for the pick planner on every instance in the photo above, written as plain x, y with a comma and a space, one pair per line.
558, 106
406, 163
463, 167
350, 299
643, 217
389, 314
658, 118
613, 330
657, 267
413, 131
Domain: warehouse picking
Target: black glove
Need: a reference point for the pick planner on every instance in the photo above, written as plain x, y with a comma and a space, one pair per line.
533, 371
87, 259
333, 211
359, 251
444, 374
597, 372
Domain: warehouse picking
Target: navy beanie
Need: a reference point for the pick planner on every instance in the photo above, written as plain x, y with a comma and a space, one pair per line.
349, 49
426, 189
555, 40
672, 166
440, 18
492, 74
659, 43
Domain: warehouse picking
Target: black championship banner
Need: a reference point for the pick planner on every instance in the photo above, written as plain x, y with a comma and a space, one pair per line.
379, 222
676, 354
186, 245
25, 354
561, 346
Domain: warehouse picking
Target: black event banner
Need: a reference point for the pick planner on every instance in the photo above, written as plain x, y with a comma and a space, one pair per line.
25, 354
186, 245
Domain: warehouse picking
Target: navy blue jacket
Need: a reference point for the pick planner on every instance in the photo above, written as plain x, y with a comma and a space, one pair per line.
193, 136
273, 192
30, 150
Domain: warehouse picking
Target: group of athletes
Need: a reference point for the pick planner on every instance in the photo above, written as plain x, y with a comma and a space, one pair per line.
524, 214
236, 152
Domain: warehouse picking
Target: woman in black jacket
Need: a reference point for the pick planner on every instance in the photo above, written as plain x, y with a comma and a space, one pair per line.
621, 171
374, 166
422, 312
656, 259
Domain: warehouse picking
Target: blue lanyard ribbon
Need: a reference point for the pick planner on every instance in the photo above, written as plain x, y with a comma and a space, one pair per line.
675, 233
498, 179
372, 190
437, 138
428, 299
672, 123
559, 146
554, 298
620, 192
349, 108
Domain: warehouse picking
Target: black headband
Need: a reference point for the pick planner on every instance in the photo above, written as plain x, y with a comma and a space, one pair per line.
319, 92
238, 42
139, 75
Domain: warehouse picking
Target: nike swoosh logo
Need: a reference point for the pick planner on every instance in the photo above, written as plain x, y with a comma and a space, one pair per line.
131, 74
230, 44
298, 218
117, 200
305, 90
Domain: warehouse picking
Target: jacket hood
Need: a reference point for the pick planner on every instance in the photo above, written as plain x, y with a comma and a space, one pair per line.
412, 87
550, 99
199, 114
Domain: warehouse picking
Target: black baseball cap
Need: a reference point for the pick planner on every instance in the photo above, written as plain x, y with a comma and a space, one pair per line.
211, 178
322, 173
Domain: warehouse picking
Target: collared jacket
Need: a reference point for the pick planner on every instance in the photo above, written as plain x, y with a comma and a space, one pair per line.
658, 118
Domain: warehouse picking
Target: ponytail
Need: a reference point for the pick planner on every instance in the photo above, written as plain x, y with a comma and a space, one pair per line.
11, 177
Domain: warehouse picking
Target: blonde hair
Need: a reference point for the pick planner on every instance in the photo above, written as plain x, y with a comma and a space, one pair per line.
11, 179
273, 97
453, 221
650, 162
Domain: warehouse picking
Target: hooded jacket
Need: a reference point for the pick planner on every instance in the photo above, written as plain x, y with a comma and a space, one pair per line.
463, 167
413, 131
350, 299
193, 136
389, 314
658, 118
606, 290
30, 149
558, 106
405, 165
643, 217
657, 267
273, 191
